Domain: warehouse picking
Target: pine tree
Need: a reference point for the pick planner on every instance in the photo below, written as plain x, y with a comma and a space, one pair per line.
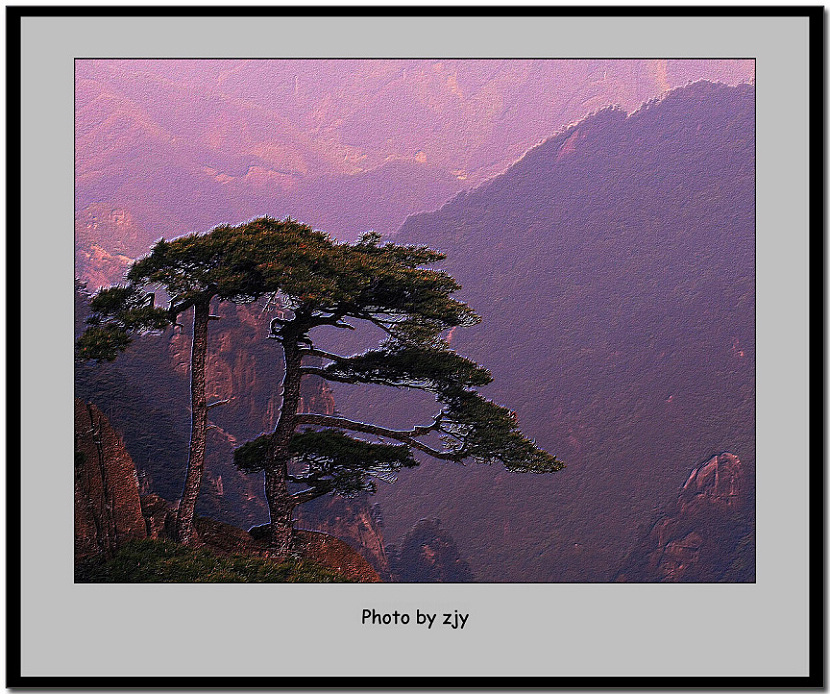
320, 282
192, 271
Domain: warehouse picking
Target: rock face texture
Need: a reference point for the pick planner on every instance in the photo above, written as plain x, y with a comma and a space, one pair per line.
428, 554
244, 372
336, 554
617, 244
354, 522
145, 394
314, 546
159, 517
717, 483
315, 394
109, 511
107, 506
704, 535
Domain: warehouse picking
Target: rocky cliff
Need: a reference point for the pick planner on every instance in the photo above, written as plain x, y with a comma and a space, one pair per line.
145, 393
704, 535
109, 512
613, 266
107, 505
354, 522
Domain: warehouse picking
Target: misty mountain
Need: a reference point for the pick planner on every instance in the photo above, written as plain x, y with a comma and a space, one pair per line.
613, 267
181, 146
703, 535
108, 236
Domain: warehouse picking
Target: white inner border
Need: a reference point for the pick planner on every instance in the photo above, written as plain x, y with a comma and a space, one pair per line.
514, 629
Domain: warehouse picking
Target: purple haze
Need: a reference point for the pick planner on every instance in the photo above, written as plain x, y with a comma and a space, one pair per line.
166, 147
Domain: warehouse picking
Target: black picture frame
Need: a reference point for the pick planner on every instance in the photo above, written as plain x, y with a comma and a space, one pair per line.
16, 349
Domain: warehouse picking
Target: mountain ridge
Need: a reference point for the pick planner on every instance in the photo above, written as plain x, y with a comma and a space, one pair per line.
614, 269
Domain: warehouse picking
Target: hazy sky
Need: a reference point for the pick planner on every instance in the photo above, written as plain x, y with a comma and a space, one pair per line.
166, 147
309, 117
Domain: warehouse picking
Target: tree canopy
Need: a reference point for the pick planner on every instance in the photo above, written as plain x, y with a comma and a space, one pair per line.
191, 271
319, 282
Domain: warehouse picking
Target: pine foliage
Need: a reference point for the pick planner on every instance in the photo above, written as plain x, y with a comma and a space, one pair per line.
318, 281
332, 461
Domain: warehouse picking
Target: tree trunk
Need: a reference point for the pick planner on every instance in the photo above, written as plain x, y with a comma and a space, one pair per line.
281, 507
185, 529
280, 502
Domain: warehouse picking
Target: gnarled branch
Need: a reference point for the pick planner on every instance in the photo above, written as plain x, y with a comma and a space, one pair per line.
315, 352
311, 493
407, 437
316, 371
354, 380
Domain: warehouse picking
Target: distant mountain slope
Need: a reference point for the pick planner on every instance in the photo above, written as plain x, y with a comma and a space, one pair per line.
180, 146
614, 269
703, 535
428, 555
124, 222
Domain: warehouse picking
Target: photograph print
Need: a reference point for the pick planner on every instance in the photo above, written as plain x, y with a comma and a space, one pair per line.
414, 321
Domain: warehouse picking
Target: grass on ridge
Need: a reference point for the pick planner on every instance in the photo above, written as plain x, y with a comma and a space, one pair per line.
163, 561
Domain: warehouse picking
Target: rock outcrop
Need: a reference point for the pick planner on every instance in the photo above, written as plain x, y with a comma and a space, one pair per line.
351, 520
107, 505
106, 241
314, 546
109, 511
244, 371
335, 554
428, 554
705, 535
159, 517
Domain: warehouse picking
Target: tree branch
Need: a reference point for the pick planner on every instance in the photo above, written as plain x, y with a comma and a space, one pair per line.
407, 437
311, 493
176, 309
322, 373
314, 352
316, 371
335, 319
